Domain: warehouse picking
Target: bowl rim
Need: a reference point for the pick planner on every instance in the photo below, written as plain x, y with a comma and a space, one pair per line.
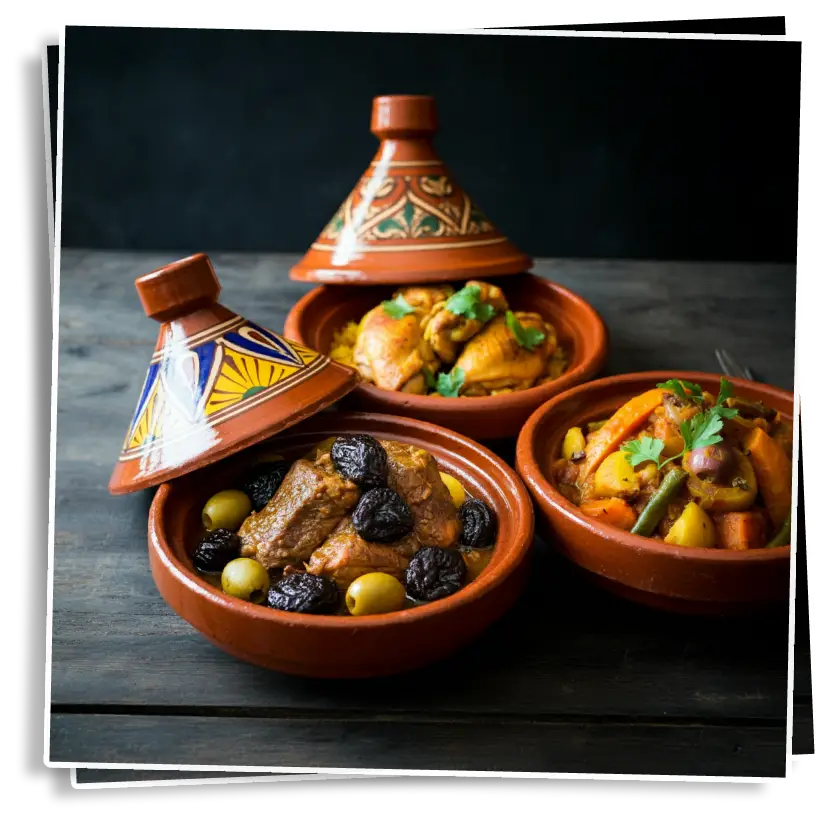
521, 537
546, 494
595, 331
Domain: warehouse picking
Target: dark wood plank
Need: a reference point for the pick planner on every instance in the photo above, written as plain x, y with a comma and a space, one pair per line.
423, 744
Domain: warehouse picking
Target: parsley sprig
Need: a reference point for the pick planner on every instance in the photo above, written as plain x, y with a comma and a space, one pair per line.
467, 302
527, 337
702, 430
398, 308
449, 384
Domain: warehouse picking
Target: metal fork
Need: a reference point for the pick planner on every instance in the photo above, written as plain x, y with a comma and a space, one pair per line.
730, 367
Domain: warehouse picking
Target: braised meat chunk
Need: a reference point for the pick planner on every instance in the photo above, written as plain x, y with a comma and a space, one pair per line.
345, 556
309, 503
413, 474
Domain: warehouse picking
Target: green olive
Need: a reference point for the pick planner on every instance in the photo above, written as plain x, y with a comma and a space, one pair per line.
375, 593
246, 579
226, 510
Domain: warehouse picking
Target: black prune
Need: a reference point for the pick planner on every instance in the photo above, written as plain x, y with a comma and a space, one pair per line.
383, 516
215, 550
435, 573
478, 524
302, 592
361, 459
263, 481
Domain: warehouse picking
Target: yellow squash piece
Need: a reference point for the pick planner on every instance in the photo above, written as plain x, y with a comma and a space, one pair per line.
457, 492
694, 528
573, 443
615, 477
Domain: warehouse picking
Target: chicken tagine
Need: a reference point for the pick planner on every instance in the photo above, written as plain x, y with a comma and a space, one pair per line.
434, 340
683, 466
357, 526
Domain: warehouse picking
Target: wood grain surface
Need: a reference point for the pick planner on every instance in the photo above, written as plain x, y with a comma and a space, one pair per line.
571, 680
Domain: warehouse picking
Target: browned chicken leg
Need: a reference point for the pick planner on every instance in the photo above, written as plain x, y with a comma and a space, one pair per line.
494, 361
392, 353
309, 503
425, 298
447, 331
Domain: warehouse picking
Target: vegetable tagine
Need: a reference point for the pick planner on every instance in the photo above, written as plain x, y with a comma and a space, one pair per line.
355, 527
681, 465
437, 341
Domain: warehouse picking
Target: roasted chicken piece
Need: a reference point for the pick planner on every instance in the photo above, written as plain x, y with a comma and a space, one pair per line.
413, 474
447, 331
425, 298
493, 361
345, 556
309, 503
392, 353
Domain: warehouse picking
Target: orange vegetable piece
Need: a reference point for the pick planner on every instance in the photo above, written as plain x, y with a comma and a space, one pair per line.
740, 530
626, 420
613, 511
774, 474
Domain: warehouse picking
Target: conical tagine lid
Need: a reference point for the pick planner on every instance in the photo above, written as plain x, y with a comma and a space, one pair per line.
407, 220
217, 383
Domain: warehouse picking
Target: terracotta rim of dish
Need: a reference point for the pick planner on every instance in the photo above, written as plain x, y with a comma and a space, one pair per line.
595, 332
522, 532
541, 487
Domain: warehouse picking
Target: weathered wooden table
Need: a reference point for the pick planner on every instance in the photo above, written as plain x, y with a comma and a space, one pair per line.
571, 680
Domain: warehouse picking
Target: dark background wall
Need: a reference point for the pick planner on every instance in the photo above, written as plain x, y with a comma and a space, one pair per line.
186, 139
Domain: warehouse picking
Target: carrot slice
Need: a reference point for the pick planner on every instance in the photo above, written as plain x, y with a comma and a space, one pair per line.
740, 530
774, 474
618, 427
613, 511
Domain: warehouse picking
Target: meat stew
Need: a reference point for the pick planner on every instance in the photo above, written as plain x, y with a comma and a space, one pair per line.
355, 526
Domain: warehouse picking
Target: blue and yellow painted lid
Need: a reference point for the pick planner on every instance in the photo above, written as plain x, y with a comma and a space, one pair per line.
216, 383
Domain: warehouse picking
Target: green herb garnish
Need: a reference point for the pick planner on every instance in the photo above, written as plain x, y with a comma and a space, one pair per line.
467, 302
429, 378
702, 430
398, 308
528, 337
684, 389
643, 449
449, 384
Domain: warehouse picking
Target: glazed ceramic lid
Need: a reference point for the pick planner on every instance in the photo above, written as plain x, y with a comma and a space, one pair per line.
407, 220
217, 382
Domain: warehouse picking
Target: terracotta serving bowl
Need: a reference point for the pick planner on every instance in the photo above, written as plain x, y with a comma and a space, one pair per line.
315, 318
681, 579
332, 646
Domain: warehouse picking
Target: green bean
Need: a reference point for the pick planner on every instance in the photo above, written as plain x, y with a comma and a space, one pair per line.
783, 535
659, 503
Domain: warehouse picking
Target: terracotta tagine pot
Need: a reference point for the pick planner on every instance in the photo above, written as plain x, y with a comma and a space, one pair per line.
318, 315
407, 220
336, 646
680, 579
219, 392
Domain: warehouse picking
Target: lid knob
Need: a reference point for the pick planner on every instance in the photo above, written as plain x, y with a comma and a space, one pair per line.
179, 288
403, 115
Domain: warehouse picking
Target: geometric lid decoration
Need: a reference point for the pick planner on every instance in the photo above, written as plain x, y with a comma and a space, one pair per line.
407, 220
216, 383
